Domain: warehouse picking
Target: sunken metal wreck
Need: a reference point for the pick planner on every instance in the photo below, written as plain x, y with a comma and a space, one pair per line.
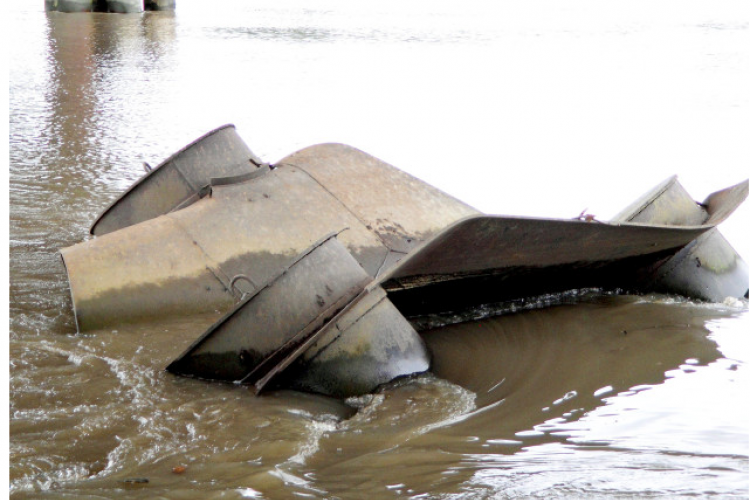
327, 262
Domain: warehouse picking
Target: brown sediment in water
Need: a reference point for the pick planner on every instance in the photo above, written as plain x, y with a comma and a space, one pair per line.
511, 374
93, 96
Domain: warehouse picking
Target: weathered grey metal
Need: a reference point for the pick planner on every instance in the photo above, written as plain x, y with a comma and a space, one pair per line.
368, 345
328, 315
183, 261
491, 259
667, 204
317, 285
400, 209
340, 337
483, 260
722, 204
707, 268
181, 179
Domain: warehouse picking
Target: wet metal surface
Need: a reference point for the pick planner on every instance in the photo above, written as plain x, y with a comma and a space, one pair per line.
295, 304
180, 180
486, 259
367, 346
184, 261
707, 268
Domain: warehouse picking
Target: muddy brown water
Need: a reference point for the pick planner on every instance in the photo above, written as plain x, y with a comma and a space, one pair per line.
607, 397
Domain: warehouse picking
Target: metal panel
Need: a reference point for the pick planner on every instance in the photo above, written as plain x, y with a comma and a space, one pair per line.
486, 260
483, 244
668, 204
483, 260
401, 209
722, 204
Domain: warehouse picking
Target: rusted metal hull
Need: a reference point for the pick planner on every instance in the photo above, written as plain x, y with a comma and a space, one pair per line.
323, 259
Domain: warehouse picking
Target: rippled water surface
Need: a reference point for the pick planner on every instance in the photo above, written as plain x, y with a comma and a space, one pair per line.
518, 107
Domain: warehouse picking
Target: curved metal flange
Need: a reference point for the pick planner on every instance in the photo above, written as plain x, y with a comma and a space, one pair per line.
311, 290
339, 337
181, 179
367, 345
707, 268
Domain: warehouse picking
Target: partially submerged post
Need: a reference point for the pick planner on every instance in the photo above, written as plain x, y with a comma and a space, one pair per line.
115, 6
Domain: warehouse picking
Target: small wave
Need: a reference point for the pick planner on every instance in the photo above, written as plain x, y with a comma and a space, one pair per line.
317, 428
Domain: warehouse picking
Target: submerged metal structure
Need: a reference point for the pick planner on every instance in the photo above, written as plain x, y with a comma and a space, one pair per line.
325, 261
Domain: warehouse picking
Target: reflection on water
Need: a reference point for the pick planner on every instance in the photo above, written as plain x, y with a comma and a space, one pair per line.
610, 396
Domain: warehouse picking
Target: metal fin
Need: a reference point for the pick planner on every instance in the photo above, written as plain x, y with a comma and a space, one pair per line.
319, 283
181, 179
